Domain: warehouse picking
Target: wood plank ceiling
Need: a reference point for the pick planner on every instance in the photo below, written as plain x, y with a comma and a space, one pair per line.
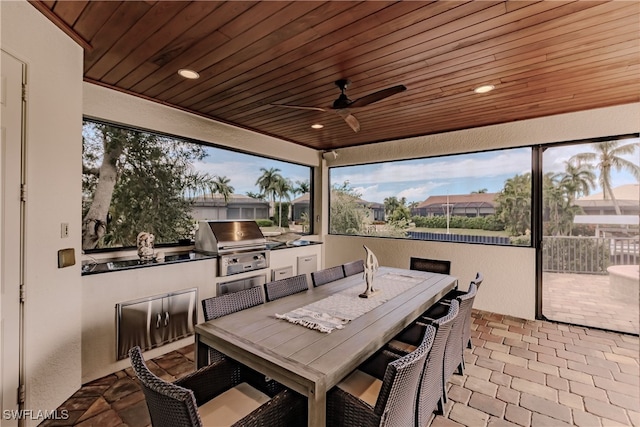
542, 57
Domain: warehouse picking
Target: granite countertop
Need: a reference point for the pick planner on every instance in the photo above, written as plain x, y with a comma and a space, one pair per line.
104, 266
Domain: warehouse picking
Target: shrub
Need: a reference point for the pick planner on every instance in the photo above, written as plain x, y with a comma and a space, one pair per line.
264, 222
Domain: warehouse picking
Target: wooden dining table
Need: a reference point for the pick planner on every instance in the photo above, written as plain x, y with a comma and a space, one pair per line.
309, 361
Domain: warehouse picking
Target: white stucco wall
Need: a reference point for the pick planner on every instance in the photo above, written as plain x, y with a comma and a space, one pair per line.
53, 164
509, 286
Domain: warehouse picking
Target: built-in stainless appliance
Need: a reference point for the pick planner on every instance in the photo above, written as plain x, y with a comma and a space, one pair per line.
240, 245
239, 285
156, 320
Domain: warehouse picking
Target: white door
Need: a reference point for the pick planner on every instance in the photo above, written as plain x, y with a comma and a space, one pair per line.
11, 125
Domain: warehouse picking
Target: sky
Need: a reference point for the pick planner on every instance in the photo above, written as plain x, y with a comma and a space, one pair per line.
416, 180
244, 169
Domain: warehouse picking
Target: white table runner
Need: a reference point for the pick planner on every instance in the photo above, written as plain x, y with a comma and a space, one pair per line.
338, 309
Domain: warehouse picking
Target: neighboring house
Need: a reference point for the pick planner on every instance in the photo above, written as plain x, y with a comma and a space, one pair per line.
214, 207
602, 213
471, 205
376, 209
300, 206
627, 196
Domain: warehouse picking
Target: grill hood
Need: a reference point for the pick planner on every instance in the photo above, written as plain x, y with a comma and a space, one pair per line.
220, 237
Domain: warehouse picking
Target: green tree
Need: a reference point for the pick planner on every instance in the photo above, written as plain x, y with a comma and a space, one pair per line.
266, 183
135, 181
514, 204
578, 179
282, 188
301, 187
347, 216
254, 195
220, 185
398, 212
391, 204
608, 157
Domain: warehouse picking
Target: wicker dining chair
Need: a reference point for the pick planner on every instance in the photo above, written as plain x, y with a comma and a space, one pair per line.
432, 265
478, 280
223, 393
431, 395
285, 287
364, 400
327, 275
454, 351
353, 267
468, 320
219, 306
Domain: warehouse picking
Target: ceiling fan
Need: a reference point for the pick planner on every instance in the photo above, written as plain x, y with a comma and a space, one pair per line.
343, 104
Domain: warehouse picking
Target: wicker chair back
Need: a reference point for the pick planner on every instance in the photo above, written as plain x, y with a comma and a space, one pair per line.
353, 267
327, 275
169, 405
432, 265
432, 386
285, 287
219, 306
396, 404
453, 359
478, 280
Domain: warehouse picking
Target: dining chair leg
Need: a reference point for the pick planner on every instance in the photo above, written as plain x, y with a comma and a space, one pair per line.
440, 409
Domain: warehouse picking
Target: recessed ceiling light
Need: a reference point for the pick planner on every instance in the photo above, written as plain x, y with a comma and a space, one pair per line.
317, 126
484, 88
188, 74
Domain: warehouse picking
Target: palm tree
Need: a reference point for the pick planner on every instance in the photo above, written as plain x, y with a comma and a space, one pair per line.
266, 181
302, 187
221, 186
514, 204
391, 204
608, 157
255, 195
578, 179
281, 188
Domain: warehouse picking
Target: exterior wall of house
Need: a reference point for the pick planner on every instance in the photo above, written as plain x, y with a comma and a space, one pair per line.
52, 336
510, 283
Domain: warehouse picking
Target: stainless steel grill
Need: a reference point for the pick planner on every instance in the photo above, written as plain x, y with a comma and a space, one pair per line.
241, 246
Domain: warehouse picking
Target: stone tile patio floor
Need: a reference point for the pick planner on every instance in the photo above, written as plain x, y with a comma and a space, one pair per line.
586, 299
519, 373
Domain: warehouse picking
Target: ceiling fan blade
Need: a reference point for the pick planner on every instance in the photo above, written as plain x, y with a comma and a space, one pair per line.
350, 119
377, 96
299, 107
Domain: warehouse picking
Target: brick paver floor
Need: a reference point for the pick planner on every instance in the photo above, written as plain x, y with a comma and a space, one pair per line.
586, 299
519, 373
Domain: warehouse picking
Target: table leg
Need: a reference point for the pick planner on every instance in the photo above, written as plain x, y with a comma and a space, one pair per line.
317, 402
201, 353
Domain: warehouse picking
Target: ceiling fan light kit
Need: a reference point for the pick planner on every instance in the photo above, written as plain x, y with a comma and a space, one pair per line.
342, 105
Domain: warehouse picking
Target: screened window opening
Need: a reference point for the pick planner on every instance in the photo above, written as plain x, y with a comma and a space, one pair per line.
136, 181
475, 198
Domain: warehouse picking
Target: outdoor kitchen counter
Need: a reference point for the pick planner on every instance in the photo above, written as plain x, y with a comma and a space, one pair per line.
119, 264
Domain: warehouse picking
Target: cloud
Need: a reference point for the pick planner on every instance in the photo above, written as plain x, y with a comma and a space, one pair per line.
477, 165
